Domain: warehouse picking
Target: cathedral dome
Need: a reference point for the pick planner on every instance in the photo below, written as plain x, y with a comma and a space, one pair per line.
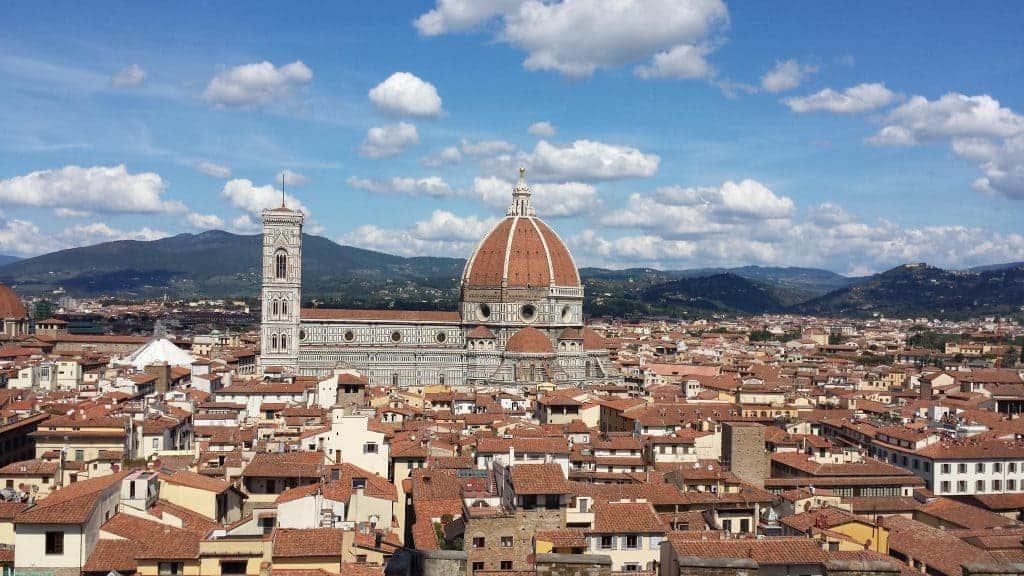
529, 340
521, 251
10, 304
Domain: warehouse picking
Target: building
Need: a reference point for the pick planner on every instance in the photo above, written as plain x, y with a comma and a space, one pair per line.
13, 317
520, 316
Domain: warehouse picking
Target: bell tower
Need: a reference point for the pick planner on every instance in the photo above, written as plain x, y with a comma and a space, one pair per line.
282, 288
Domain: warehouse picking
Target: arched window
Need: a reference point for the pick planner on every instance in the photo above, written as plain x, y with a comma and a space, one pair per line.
440, 379
394, 379
284, 308
273, 342
284, 342
282, 264
274, 307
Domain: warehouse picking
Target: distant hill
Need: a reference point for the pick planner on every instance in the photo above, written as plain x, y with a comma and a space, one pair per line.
5, 259
995, 267
921, 290
221, 264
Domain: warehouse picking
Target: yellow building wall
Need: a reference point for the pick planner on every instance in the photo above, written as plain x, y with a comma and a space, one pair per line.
200, 501
862, 533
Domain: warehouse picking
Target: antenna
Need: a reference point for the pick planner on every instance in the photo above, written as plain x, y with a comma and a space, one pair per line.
282, 188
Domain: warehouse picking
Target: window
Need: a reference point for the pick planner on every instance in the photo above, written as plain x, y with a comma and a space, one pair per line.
606, 542
961, 468
979, 467
631, 567
1011, 467
171, 568
997, 485
478, 566
944, 486
370, 448
232, 567
156, 442
282, 264
997, 466
632, 542
727, 525
284, 308
274, 308
361, 558
55, 542
273, 342
267, 523
506, 564
1011, 484
359, 483
945, 468
506, 542
927, 466
979, 486
961, 486
479, 541
79, 455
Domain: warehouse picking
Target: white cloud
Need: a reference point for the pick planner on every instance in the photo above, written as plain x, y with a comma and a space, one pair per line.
406, 94
590, 160
892, 136
443, 234
786, 75
256, 85
853, 100
389, 140
432, 186
129, 76
203, 221
291, 179
448, 155
549, 199
108, 189
683, 61
576, 37
486, 147
214, 170
954, 115
62, 212
24, 238
1003, 169
242, 193
543, 129
244, 224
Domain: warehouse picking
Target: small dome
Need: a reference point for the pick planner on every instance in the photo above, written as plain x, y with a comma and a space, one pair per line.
529, 340
481, 332
10, 304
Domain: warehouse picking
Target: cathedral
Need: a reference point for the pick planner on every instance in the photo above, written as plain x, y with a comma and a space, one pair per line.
519, 321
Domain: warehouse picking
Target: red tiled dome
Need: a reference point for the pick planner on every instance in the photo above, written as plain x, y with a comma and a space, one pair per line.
592, 340
529, 340
521, 251
10, 304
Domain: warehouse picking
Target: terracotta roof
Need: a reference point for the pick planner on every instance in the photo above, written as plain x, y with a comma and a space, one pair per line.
564, 538
520, 251
153, 539
770, 551
112, 554
193, 480
626, 518
938, 549
529, 340
298, 543
72, 504
285, 465
481, 332
539, 479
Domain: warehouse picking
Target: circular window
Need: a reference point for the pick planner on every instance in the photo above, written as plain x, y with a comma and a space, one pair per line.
396, 336
528, 312
349, 336
484, 311
566, 313
302, 334
441, 337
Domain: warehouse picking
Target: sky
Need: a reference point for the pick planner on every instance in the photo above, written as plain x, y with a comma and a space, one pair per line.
666, 133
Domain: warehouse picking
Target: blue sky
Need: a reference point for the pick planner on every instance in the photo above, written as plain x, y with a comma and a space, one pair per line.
655, 133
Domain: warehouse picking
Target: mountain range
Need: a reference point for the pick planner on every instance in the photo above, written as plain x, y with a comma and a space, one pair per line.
221, 264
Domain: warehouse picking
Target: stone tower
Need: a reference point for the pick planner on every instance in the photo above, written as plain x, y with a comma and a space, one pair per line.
282, 282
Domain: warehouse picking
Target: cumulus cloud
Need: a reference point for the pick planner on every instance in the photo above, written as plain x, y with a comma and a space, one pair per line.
244, 224
25, 238
432, 186
591, 160
129, 76
486, 147
575, 37
443, 234
389, 140
853, 100
291, 179
562, 199
978, 128
212, 169
406, 94
109, 189
543, 129
786, 75
243, 194
203, 221
684, 61
448, 155
256, 85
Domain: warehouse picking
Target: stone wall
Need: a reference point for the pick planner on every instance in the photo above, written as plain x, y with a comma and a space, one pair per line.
573, 565
520, 527
743, 451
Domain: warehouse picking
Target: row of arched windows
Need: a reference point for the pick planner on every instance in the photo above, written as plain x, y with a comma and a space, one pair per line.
279, 308
279, 342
